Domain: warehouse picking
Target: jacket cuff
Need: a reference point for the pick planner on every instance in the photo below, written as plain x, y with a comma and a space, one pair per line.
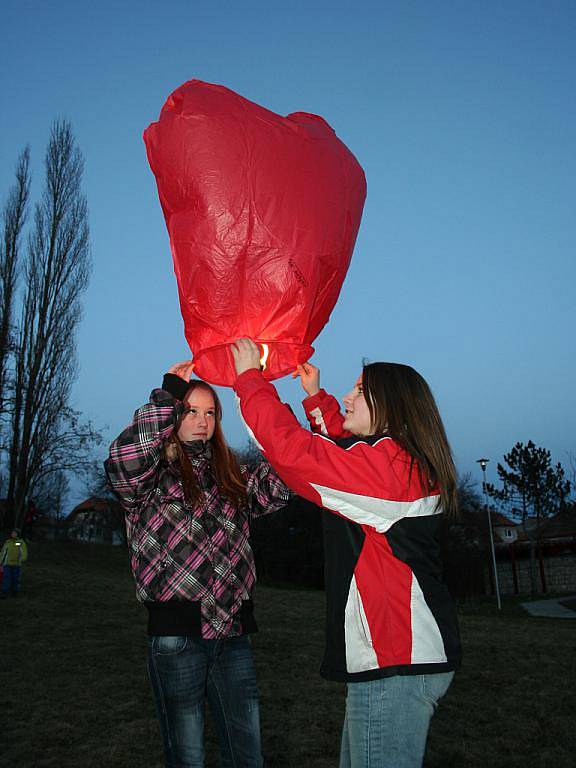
242, 383
313, 400
175, 386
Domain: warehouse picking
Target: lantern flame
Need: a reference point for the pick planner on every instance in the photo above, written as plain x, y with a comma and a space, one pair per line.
264, 357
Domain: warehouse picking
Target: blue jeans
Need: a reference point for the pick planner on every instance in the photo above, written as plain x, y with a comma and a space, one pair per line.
185, 671
11, 579
386, 722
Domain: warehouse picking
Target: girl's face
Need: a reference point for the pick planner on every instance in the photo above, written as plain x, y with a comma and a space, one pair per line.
199, 419
357, 418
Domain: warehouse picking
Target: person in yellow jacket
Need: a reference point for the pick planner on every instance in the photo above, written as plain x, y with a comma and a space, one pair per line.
13, 554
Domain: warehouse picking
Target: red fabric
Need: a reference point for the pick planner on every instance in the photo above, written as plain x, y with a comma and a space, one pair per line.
262, 213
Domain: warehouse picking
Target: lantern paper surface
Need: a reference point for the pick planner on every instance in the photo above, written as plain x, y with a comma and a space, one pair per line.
262, 213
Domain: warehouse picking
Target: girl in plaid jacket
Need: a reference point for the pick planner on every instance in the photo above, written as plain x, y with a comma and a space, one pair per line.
188, 508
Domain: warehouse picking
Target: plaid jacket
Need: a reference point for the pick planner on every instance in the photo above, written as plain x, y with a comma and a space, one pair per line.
181, 553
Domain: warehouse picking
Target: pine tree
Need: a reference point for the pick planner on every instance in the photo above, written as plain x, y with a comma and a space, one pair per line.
532, 490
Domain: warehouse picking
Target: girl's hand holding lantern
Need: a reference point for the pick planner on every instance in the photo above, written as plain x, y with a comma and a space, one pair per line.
246, 355
309, 378
183, 370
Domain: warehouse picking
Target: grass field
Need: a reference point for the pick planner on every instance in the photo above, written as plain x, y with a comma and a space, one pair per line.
74, 690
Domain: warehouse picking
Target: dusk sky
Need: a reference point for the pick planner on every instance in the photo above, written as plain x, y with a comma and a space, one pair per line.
463, 116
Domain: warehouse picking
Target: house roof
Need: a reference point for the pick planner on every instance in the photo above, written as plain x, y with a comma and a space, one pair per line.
561, 525
95, 504
501, 520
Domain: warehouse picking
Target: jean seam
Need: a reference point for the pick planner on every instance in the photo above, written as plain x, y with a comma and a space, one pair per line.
162, 699
231, 750
373, 697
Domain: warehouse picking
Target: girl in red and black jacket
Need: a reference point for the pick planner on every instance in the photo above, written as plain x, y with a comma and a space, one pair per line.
384, 475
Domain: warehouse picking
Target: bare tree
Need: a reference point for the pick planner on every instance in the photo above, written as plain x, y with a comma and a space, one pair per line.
50, 493
464, 542
47, 436
96, 482
13, 219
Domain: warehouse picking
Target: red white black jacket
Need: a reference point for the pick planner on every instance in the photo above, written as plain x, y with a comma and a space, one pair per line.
388, 611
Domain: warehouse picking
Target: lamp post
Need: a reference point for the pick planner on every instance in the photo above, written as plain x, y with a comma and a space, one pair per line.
483, 463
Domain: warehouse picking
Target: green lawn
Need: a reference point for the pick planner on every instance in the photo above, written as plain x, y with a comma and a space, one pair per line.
75, 691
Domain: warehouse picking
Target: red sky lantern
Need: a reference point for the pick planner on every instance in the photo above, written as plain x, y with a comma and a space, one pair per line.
262, 213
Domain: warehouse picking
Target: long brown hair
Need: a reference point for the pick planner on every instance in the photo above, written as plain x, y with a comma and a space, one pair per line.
402, 406
224, 464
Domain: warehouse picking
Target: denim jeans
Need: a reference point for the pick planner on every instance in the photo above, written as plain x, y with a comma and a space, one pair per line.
11, 579
386, 722
185, 671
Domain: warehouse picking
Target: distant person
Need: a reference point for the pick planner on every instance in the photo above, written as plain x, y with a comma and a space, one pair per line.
13, 555
188, 509
384, 474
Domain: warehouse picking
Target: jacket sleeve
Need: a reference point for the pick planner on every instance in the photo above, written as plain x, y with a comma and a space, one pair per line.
324, 415
370, 484
265, 490
134, 459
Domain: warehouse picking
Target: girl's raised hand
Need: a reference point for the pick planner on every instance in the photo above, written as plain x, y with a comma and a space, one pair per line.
183, 370
309, 378
246, 355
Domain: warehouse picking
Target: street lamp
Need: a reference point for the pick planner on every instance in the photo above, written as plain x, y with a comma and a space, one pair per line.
483, 463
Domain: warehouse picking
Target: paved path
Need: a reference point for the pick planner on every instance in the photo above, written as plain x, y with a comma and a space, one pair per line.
551, 608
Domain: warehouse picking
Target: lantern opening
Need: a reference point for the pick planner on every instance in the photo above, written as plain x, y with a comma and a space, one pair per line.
264, 358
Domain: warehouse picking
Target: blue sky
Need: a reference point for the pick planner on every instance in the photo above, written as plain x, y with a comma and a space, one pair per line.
463, 117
